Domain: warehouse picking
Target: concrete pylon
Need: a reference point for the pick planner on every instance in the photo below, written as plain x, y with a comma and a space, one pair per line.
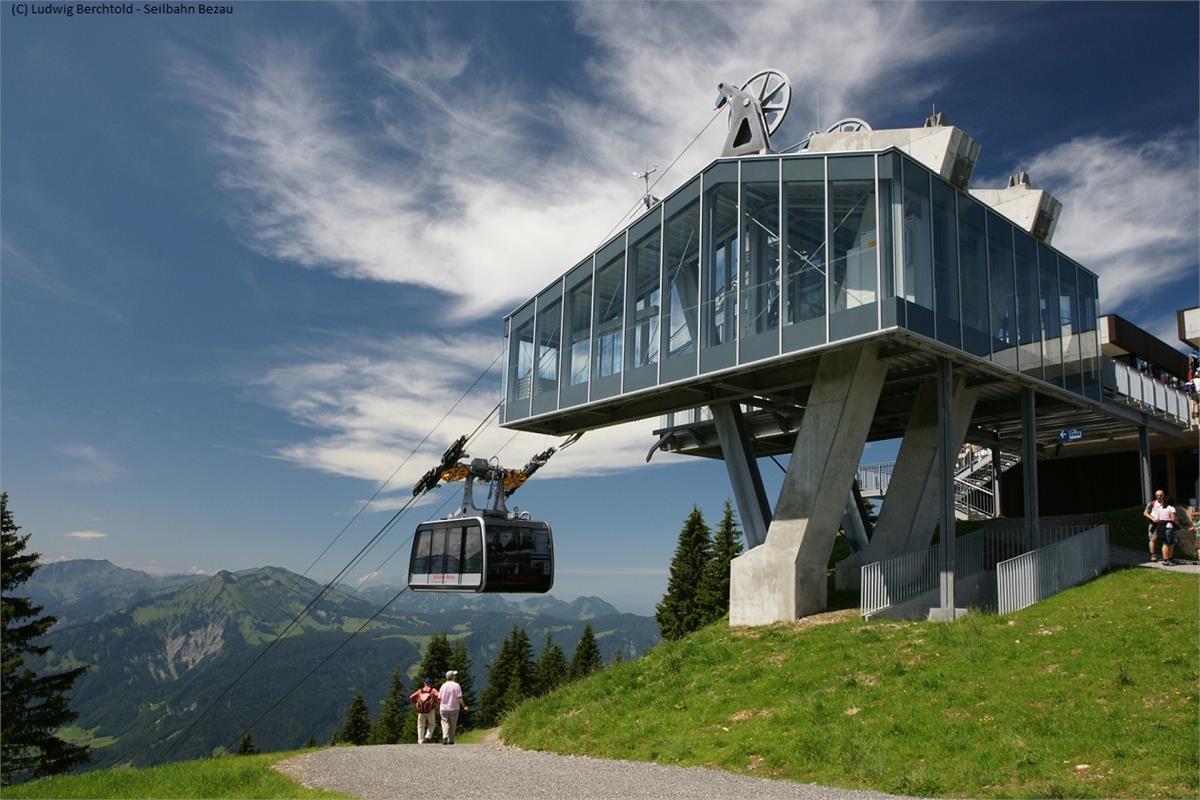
912, 504
784, 579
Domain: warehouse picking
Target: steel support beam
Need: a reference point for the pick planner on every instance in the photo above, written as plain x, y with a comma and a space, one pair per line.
744, 476
1144, 464
947, 454
996, 466
1033, 537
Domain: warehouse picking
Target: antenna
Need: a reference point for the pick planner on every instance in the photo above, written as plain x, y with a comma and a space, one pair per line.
644, 177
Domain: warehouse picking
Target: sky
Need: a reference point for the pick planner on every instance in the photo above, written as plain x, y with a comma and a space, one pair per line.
249, 261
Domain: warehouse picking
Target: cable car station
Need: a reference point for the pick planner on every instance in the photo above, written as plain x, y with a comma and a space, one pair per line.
854, 288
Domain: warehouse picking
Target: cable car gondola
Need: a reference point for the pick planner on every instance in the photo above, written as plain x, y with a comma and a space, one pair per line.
482, 549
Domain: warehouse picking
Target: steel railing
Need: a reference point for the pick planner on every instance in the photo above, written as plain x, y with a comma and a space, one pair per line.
1030, 577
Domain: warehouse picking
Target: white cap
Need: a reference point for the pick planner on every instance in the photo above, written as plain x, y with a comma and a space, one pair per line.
451, 673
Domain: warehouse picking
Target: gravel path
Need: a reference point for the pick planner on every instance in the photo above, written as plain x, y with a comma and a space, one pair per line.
477, 771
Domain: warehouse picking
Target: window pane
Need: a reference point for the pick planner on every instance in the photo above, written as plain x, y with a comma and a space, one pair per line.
1089, 341
548, 355
973, 271
520, 364
642, 335
421, 559
719, 310
1029, 326
607, 338
1049, 315
681, 270
945, 264
759, 290
891, 219
472, 551
1068, 309
854, 254
804, 188
1002, 291
454, 542
437, 552
918, 250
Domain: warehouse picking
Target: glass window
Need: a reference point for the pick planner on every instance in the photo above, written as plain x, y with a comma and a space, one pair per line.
1068, 310
608, 310
759, 291
681, 277
1089, 336
1049, 314
472, 551
918, 250
945, 264
891, 218
642, 335
548, 355
520, 364
718, 312
577, 330
973, 272
519, 559
437, 551
854, 263
1029, 325
804, 282
420, 565
1002, 291
454, 543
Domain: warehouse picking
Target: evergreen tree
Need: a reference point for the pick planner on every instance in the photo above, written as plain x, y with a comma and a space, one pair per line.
389, 725
246, 747
618, 658
32, 707
727, 545
357, 727
514, 695
311, 743
587, 655
551, 668
460, 660
514, 662
682, 608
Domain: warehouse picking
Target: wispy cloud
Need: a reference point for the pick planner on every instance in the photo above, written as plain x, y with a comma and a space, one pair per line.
88, 465
452, 176
86, 535
1131, 212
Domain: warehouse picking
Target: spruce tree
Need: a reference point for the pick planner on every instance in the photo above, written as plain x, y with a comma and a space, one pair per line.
514, 695
551, 668
246, 746
357, 727
587, 655
311, 743
460, 661
727, 545
618, 658
389, 725
514, 662
32, 707
682, 608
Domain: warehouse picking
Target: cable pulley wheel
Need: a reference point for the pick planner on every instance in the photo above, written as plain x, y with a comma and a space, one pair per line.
774, 93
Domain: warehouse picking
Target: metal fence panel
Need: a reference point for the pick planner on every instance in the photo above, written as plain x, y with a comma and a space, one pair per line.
1038, 574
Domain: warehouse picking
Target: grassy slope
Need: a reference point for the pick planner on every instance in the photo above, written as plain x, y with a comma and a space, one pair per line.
232, 776
1103, 675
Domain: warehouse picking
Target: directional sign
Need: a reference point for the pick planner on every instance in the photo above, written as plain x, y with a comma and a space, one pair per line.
1070, 435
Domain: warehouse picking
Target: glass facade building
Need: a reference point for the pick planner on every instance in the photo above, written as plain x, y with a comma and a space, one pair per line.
760, 258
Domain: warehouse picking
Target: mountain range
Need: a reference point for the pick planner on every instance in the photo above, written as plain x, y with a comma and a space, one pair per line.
162, 649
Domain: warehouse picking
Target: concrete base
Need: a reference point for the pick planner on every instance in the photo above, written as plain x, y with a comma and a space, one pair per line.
943, 615
766, 585
847, 573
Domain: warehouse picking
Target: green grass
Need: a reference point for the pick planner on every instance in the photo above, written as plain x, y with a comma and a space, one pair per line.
473, 736
230, 776
1092, 693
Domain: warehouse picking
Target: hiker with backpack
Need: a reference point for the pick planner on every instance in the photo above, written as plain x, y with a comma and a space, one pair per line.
425, 700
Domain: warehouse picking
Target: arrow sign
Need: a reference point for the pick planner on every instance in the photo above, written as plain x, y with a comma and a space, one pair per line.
1070, 435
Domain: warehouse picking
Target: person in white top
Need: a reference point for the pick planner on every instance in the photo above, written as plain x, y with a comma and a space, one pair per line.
1167, 523
451, 697
1151, 513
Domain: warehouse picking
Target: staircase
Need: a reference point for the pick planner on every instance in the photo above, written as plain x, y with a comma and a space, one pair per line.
973, 473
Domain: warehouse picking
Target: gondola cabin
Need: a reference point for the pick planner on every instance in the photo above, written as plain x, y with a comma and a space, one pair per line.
482, 554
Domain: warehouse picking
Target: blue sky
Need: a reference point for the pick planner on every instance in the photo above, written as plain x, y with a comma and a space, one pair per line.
249, 261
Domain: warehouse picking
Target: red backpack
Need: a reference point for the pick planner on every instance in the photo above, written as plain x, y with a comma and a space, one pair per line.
425, 702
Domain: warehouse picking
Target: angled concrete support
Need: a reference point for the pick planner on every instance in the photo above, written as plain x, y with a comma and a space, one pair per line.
947, 453
785, 578
853, 526
748, 492
1029, 464
913, 501
1144, 464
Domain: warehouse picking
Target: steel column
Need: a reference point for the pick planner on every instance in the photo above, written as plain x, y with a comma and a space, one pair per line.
946, 457
1144, 464
996, 465
744, 477
1029, 465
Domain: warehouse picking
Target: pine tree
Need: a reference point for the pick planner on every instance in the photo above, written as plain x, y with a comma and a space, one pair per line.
682, 609
32, 707
460, 661
389, 725
514, 695
246, 747
618, 658
514, 662
551, 668
311, 743
727, 545
357, 727
587, 655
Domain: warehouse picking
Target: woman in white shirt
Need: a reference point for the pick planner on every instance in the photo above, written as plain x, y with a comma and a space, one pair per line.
1167, 520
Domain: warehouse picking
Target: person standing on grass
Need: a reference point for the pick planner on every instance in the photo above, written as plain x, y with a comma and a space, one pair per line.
451, 703
1166, 532
1151, 513
425, 700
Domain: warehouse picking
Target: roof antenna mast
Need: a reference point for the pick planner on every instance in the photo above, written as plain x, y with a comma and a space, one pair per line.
644, 177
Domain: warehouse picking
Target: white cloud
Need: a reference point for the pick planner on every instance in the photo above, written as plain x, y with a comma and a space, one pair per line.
86, 535
1131, 213
88, 464
454, 176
